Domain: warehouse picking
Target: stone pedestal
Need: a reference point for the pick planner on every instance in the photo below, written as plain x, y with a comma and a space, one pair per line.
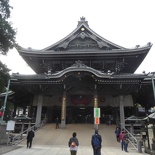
63, 124
3, 135
153, 146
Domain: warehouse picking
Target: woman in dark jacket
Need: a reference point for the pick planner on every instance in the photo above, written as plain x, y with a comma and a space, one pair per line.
73, 144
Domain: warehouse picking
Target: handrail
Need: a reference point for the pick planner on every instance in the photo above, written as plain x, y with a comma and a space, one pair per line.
15, 140
133, 140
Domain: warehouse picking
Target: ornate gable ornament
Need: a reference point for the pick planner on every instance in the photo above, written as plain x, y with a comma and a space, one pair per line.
83, 21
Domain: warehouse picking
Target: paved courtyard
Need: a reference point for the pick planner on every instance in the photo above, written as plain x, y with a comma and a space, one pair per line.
51, 141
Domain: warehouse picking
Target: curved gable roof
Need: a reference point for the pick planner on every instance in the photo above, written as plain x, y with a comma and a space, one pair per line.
86, 45
83, 31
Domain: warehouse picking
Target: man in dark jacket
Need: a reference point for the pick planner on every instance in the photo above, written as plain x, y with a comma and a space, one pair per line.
30, 138
57, 123
96, 143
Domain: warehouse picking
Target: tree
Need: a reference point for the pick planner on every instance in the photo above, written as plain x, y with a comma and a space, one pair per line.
7, 33
4, 76
7, 40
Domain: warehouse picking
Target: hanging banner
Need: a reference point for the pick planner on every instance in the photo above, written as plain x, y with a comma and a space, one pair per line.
97, 112
97, 120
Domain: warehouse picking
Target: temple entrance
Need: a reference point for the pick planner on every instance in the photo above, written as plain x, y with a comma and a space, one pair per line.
53, 113
85, 114
79, 115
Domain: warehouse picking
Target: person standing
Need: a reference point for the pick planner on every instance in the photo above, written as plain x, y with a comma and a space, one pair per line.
96, 141
57, 123
117, 133
73, 144
121, 139
126, 141
30, 137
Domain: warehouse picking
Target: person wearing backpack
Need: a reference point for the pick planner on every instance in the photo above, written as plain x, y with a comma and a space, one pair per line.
73, 144
96, 143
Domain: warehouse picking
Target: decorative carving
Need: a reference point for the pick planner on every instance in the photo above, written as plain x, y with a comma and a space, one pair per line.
102, 44
66, 42
99, 42
79, 64
48, 66
65, 45
83, 35
120, 65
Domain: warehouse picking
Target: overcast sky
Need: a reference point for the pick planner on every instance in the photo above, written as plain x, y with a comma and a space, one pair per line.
41, 23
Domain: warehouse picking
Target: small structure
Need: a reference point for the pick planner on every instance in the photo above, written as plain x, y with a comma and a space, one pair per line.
21, 120
151, 119
134, 123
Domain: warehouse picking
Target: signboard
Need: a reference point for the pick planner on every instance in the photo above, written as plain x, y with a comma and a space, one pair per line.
97, 112
141, 109
10, 125
97, 120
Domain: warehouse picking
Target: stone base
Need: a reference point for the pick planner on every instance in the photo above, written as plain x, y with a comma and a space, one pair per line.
153, 147
3, 135
63, 124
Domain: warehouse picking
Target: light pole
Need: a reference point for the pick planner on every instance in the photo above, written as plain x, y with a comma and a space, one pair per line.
152, 78
5, 101
147, 133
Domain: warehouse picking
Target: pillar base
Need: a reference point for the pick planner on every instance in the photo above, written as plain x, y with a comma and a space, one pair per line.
3, 135
63, 124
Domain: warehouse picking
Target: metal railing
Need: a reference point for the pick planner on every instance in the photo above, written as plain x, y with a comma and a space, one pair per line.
132, 139
15, 140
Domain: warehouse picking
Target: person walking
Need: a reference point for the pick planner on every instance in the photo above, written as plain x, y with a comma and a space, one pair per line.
126, 141
121, 139
30, 137
73, 144
96, 141
117, 133
57, 123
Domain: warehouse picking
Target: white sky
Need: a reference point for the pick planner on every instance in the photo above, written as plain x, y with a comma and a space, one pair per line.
41, 23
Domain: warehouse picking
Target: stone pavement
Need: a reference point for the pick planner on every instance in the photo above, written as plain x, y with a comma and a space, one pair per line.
51, 141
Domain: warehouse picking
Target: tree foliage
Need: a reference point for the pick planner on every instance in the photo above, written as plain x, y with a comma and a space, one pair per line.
7, 40
4, 76
7, 33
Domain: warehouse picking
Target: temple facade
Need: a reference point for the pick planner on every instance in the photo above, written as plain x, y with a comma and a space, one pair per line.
81, 72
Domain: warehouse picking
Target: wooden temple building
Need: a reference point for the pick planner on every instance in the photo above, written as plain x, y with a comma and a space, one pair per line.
79, 73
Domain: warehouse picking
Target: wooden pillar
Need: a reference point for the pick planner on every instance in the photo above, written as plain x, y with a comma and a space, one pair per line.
95, 105
95, 98
63, 110
121, 106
